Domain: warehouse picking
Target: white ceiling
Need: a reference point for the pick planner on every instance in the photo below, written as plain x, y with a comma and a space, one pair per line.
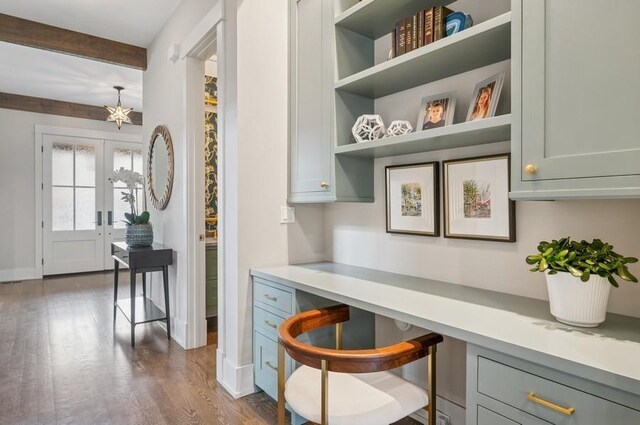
39, 73
129, 21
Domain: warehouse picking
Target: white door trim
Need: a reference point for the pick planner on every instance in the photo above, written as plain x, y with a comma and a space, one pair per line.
198, 46
40, 132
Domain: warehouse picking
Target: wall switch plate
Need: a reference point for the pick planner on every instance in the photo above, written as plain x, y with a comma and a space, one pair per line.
287, 215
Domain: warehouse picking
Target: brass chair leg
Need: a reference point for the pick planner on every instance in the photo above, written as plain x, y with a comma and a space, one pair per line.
324, 403
339, 336
431, 384
281, 384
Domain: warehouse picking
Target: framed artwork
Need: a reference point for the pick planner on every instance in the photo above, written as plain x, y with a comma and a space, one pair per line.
476, 199
412, 195
485, 98
436, 111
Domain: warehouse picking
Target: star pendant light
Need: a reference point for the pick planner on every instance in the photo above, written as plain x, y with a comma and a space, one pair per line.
119, 114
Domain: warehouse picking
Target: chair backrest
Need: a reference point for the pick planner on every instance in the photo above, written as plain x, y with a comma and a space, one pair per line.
347, 361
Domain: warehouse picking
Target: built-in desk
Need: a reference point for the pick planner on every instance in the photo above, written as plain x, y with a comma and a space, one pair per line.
511, 327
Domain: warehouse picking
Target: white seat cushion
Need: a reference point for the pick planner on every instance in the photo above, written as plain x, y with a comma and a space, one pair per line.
378, 398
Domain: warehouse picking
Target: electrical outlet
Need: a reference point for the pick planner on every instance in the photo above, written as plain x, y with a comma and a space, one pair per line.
287, 215
442, 419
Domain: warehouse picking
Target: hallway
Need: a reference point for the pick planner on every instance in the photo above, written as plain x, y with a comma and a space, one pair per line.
60, 363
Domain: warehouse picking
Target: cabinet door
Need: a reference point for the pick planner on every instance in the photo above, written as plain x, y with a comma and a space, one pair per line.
579, 92
311, 103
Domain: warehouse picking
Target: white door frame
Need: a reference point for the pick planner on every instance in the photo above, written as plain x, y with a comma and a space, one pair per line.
195, 49
40, 132
219, 25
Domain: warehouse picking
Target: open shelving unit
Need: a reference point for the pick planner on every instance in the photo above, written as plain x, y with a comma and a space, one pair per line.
475, 47
375, 18
360, 81
472, 133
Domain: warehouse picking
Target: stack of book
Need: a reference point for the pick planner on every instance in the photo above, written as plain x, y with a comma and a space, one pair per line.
418, 30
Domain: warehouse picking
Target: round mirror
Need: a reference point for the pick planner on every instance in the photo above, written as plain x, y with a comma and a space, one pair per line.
160, 167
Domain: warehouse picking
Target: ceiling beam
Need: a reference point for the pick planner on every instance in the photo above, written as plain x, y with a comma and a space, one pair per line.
47, 37
57, 107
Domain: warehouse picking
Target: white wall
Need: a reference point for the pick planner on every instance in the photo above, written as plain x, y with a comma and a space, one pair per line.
17, 183
164, 103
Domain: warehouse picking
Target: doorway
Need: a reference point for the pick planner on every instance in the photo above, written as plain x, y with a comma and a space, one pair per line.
81, 208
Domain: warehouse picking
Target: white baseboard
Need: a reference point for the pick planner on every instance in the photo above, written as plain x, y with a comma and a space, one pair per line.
456, 413
178, 330
238, 381
11, 275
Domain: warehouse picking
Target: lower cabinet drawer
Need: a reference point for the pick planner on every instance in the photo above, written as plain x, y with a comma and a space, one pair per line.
489, 417
271, 296
548, 400
266, 322
266, 364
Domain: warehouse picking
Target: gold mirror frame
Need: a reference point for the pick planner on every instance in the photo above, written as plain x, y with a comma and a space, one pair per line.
160, 203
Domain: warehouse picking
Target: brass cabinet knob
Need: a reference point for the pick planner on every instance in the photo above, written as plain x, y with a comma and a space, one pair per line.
324, 185
530, 169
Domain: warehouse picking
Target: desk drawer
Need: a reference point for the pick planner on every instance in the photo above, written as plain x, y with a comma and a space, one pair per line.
272, 296
122, 254
511, 386
266, 322
265, 369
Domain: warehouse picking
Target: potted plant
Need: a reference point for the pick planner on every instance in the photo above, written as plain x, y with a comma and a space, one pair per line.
579, 277
139, 231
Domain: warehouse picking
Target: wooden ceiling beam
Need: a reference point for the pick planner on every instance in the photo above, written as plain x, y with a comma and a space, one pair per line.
57, 107
40, 36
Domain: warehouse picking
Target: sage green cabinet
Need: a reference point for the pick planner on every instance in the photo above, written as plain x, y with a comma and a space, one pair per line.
575, 129
315, 176
211, 294
505, 390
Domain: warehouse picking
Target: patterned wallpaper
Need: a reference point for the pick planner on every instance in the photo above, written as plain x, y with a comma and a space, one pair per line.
211, 153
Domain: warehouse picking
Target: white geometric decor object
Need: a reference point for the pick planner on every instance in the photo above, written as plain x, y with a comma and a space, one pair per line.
368, 128
399, 127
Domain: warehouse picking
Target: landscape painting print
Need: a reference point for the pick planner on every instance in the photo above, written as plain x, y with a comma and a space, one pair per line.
411, 205
412, 194
477, 198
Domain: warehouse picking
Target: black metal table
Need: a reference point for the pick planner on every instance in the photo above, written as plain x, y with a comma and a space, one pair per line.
143, 260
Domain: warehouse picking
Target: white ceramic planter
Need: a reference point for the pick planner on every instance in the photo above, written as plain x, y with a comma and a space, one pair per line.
578, 303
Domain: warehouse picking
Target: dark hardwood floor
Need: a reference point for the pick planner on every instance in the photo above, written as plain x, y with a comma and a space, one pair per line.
62, 362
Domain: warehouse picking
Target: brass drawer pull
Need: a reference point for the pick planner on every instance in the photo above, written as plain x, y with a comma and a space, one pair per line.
270, 324
270, 298
270, 365
564, 410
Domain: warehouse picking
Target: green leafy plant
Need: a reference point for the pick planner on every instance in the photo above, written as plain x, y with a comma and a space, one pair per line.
582, 259
133, 180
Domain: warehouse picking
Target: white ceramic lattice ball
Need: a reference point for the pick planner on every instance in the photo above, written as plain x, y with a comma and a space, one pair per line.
367, 128
399, 127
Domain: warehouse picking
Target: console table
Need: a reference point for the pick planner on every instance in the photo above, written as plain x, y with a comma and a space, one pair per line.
143, 260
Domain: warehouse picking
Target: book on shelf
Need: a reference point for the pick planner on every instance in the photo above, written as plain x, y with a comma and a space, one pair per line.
401, 38
408, 27
394, 43
414, 28
428, 26
420, 32
439, 16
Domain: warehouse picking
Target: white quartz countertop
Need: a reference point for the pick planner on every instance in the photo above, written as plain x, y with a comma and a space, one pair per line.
519, 326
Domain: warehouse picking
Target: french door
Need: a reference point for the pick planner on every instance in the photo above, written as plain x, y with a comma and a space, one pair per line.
82, 209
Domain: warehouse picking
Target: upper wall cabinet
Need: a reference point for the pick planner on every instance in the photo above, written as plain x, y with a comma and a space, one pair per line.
312, 164
575, 126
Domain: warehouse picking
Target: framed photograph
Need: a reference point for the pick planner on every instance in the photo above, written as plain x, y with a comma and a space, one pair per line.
485, 98
476, 199
436, 111
413, 199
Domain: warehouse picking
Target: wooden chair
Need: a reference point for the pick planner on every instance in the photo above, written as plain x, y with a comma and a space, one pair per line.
347, 387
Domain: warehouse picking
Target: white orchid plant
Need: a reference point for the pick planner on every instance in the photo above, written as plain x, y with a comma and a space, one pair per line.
132, 179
